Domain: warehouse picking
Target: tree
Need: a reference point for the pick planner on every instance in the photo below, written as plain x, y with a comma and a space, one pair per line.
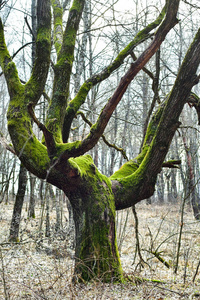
93, 196
22, 178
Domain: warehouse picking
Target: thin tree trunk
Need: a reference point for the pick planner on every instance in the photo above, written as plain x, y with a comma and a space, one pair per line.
160, 188
47, 231
195, 201
31, 211
16, 217
58, 211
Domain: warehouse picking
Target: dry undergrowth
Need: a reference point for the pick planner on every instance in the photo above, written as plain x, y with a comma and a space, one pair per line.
41, 268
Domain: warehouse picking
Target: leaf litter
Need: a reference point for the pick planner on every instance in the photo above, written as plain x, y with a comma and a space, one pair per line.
41, 268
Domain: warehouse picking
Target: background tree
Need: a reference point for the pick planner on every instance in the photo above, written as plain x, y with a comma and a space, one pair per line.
22, 181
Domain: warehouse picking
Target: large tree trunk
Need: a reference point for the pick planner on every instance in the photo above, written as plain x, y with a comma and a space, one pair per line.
93, 206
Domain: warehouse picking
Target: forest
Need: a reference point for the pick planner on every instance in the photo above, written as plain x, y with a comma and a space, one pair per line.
99, 149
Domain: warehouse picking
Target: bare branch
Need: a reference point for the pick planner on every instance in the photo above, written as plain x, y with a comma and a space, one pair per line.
6, 144
29, 27
65, 4
171, 164
192, 5
2, 3
103, 136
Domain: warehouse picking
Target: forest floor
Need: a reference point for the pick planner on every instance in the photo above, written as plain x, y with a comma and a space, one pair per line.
41, 268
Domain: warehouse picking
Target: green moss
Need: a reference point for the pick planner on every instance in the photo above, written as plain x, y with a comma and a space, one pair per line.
98, 254
8, 66
127, 169
80, 97
14, 239
4, 54
14, 84
57, 9
67, 148
58, 28
43, 44
151, 130
132, 175
77, 5
35, 86
32, 153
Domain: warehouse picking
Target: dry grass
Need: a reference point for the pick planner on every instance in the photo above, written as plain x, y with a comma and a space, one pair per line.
41, 268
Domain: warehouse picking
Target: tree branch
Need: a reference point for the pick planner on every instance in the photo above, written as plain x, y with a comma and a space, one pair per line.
49, 139
57, 21
171, 164
98, 128
62, 71
31, 152
79, 99
103, 136
65, 4
29, 27
194, 101
35, 86
141, 183
6, 144
8, 66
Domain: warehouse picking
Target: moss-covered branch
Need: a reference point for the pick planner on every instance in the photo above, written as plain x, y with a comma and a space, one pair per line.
105, 115
49, 139
80, 98
62, 71
8, 66
171, 163
140, 184
58, 27
30, 151
35, 86
131, 166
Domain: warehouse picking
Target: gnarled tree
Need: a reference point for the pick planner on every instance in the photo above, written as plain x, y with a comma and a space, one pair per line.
93, 196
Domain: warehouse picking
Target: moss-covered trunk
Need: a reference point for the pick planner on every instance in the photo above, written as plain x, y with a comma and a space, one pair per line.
93, 205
